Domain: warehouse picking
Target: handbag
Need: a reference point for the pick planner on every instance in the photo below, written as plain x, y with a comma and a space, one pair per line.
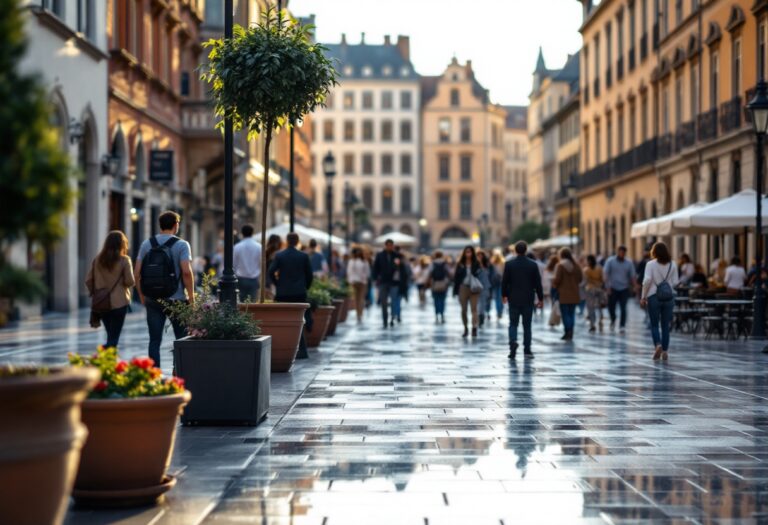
100, 299
554, 315
440, 286
475, 286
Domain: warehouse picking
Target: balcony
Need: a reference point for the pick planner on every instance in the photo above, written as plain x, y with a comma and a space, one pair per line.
197, 118
685, 136
631, 59
620, 69
730, 115
643, 47
608, 78
643, 155
708, 125
664, 147
596, 88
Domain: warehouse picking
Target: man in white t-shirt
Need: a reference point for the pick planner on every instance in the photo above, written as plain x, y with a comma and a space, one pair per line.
247, 264
735, 276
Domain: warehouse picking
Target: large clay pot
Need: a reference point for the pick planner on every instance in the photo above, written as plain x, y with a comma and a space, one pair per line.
321, 319
337, 305
129, 447
40, 441
344, 310
284, 323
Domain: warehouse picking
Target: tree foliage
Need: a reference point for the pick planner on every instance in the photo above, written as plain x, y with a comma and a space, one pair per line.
530, 231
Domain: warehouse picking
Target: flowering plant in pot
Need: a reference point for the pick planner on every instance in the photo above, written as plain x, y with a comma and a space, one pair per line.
322, 310
338, 299
133, 409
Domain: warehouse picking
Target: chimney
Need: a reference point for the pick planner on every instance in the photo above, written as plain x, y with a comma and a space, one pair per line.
387, 40
404, 46
343, 39
469, 65
362, 38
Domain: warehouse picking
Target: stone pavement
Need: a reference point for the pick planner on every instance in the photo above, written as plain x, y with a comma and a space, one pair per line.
414, 425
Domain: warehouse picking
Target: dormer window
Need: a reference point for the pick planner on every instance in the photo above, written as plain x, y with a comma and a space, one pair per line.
348, 71
386, 71
405, 71
367, 71
455, 77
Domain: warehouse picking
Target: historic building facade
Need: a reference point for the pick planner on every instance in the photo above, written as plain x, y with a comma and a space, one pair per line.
464, 160
515, 166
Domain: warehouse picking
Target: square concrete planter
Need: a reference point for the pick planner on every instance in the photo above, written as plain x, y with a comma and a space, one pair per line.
229, 380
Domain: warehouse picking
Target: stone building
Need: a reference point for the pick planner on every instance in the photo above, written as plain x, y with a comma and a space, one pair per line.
515, 166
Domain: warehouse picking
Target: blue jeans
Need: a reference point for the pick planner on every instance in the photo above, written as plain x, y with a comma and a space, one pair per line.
660, 314
619, 297
499, 303
439, 299
568, 313
156, 323
395, 298
515, 312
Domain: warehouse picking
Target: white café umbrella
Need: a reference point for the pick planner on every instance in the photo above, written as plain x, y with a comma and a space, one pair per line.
559, 241
399, 238
729, 215
641, 228
665, 225
305, 233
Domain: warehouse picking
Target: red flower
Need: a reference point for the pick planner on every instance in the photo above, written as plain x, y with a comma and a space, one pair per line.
121, 367
143, 362
101, 386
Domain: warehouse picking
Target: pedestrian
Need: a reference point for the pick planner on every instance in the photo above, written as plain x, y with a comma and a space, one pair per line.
317, 259
550, 292
485, 276
291, 271
402, 279
498, 262
439, 282
566, 281
594, 286
274, 245
420, 272
109, 282
658, 296
619, 274
164, 276
467, 287
384, 268
520, 287
246, 261
735, 277
358, 273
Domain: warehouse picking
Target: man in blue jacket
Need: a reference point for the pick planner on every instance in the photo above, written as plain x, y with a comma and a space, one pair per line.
520, 285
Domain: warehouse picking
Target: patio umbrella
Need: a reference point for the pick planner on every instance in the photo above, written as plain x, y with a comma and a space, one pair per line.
665, 225
559, 241
732, 214
402, 239
641, 228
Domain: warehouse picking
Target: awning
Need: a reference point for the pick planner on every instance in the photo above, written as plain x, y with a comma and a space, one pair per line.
559, 241
399, 238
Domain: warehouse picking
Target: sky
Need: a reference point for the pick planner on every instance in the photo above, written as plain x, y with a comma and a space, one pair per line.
501, 37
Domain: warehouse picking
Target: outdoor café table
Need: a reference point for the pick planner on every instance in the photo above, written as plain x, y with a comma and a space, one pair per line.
731, 314
682, 314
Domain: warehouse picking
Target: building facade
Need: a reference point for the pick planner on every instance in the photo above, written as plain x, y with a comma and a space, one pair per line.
371, 125
464, 160
515, 166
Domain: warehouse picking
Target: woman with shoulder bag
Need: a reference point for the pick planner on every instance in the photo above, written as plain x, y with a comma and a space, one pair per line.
467, 286
658, 296
109, 283
439, 282
567, 279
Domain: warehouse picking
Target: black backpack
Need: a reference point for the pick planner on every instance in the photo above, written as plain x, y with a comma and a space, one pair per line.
439, 272
158, 270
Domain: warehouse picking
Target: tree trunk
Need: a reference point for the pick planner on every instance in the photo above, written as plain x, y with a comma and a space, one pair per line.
264, 207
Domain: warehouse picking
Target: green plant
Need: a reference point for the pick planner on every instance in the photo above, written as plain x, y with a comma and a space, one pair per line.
318, 296
135, 378
35, 173
530, 231
336, 289
266, 78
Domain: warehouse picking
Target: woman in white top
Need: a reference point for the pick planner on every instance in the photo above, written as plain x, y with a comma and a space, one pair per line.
735, 277
358, 273
658, 270
686, 270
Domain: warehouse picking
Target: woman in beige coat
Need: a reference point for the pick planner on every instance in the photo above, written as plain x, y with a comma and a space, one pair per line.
109, 282
567, 280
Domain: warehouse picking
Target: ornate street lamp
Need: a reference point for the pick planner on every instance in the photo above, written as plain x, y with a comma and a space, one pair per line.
350, 200
571, 189
329, 169
758, 109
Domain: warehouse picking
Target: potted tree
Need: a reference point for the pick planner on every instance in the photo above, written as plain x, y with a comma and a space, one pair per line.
224, 361
322, 310
133, 409
265, 78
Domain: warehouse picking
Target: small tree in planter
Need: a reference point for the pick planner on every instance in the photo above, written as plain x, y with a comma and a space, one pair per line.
322, 309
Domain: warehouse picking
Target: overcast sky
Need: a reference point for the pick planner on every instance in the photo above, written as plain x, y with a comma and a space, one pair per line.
501, 37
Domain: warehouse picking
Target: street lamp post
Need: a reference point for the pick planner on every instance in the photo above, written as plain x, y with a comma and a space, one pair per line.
508, 217
329, 168
758, 108
423, 223
571, 189
349, 202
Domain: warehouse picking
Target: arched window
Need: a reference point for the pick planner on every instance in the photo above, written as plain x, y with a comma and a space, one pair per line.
454, 232
406, 205
387, 228
140, 162
406, 229
387, 200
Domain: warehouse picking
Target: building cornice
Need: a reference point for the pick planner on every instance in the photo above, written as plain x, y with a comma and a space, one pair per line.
56, 25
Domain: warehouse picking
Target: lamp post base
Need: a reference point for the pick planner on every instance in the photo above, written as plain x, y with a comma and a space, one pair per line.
228, 290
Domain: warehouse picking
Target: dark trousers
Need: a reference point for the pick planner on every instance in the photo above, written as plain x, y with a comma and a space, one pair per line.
249, 289
385, 290
156, 318
515, 313
568, 313
308, 321
619, 297
113, 324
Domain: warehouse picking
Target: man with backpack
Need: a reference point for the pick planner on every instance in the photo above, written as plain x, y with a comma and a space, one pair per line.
164, 273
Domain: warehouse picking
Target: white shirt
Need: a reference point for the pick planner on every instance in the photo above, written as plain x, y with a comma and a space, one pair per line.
655, 273
247, 258
735, 277
358, 271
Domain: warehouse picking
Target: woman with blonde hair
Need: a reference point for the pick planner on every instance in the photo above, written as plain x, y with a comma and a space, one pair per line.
109, 282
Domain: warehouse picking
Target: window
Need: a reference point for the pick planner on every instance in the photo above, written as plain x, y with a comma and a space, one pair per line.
85, 12
608, 137
367, 71
367, 131
455, 97
386, 200
466, 130
328, 100
367, 99
714, 78
406, 164
444, 162
349, 131
368, 197
328, 131
214, 13
367, 164
386, 164
665, 109
620, 132
444, 127
678, 12
608, 49
631, 22
466, 167
736, 173
349, 164
444, 205
736, 68
184, 85
349, 100
664, 15
586, 147
620, 37
386, 130
406, 131
598, 73
632, 126
644, 17
406, 100
386, 100
762, 34
597, 143
465, 205
405, 199
694, 95
678, 100
644, 118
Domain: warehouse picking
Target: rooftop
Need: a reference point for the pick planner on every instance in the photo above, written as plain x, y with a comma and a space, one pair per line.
387, 61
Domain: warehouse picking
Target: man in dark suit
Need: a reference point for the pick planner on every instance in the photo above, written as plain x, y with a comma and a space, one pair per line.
291, 271
520, 285
385, 266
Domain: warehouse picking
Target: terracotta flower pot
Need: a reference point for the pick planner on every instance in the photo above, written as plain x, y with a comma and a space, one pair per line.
337, 305
129, 447
40, 443
284, 323
344, 310
322, 319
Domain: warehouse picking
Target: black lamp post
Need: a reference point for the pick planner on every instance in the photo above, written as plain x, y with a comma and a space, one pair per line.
571, 189
329, 168
228, 281
758, 108
508, 220
350, 199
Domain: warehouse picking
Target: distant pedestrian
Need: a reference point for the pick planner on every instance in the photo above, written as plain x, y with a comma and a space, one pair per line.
164, 274
467, 287
274, 245
383, 275
619, 274
497, 260
317, 259
658, 296
485, 276
247, 264
567, 280
109, 282
439, 282
401, 278
594, 286
420, 272
358, 274
520, 287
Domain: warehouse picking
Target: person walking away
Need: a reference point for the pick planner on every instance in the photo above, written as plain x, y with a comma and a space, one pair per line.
403, 278
550, 292
274, 245
383, 275
485, 276
658, 296
421, 277
163, 274
246, 261
520, 286
735, 277
317, 259
467, 287
358, 273
595, 289
291, 271
567, 279
439, 282
619, 274
109, 282
498, 262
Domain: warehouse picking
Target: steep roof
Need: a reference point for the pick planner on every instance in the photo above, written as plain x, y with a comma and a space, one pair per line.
367, 61
570, 72
517, 117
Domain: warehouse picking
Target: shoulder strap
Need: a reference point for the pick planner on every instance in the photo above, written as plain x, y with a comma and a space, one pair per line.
119, 277
153, 242
170, 242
